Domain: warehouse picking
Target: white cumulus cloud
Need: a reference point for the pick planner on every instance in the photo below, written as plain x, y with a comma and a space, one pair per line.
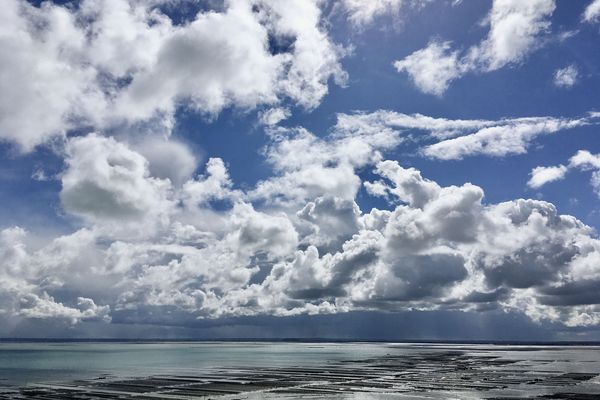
210, 249
113, 62
515, 30
583, 160
433, 68
592, 11
542, 175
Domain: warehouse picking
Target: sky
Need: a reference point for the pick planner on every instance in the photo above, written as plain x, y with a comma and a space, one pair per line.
344, 169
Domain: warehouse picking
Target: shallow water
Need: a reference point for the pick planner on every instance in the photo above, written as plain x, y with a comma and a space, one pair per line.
426, 365
24, 363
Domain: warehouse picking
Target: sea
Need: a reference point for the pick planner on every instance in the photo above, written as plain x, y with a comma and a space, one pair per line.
353, 370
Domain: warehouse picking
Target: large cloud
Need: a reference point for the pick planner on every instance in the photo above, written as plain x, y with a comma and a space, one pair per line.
158, 242
105, 181
444, 248
45, 82
104, 63
215, 250
29, 277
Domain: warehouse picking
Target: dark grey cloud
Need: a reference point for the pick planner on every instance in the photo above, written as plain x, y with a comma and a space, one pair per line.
535, 265
571, 294
424, 276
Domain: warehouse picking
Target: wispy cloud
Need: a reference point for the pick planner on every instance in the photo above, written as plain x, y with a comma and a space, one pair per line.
566, 77
456, 139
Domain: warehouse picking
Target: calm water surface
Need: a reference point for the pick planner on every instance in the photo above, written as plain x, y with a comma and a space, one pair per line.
27, 363
23, 363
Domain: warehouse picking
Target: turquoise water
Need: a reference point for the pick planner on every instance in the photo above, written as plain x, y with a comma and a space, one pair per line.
24, 363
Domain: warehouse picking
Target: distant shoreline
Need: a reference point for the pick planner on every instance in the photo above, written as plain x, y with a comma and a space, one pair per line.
301, 340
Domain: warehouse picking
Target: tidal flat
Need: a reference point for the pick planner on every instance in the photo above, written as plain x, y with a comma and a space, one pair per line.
250, 370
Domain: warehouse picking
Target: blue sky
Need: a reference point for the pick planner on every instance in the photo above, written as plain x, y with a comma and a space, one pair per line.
419, 156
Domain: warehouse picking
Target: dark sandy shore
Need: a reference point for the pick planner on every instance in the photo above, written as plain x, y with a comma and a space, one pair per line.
457, 374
